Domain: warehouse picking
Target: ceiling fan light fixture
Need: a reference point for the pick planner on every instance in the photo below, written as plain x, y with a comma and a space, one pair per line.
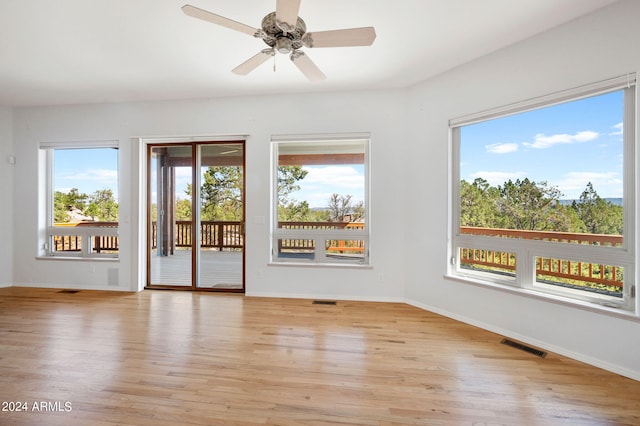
285, 32
284, 45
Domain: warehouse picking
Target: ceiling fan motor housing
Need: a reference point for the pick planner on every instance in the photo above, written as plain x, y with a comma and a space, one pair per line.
281, 36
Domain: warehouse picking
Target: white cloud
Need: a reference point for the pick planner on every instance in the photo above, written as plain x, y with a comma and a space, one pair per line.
498, 178
321, 182
336, 176
618, 131
101, 175
541, 141
88, 181
501, 148
608, 184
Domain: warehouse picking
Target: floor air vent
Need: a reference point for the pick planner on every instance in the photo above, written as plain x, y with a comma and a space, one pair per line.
324, 302
69, 291
525, 348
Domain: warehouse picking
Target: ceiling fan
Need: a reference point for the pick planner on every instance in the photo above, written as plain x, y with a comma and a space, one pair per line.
285, 32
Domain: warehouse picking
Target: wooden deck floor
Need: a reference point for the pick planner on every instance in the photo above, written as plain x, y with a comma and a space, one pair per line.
191, 358
218, 269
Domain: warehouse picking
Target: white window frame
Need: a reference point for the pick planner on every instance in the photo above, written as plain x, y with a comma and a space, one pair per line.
320, 236
46, 245
526, 251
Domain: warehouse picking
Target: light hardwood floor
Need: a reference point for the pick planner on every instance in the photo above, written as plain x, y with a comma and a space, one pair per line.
167, 358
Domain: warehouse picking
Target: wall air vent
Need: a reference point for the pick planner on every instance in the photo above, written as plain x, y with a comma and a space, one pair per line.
523, 347
325, 302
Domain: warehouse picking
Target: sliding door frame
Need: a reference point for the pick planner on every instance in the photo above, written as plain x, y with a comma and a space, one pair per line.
196, 164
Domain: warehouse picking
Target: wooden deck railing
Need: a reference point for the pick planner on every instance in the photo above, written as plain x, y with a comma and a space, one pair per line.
565, 269
228, 235
221, 235
213, 234
333, 246
568, 237
99, 243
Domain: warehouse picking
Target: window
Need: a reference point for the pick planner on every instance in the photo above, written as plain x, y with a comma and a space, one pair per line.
81, 200
321, 212
544, 195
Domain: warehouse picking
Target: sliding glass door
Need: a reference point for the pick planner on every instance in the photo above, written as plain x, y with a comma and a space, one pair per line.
196, 216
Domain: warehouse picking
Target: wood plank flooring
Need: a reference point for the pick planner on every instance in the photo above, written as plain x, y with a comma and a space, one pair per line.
190, 358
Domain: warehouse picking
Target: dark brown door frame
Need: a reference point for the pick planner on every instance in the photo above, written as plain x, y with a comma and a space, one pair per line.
169, 234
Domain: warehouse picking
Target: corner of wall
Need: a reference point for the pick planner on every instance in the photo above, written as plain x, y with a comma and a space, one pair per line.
8, 162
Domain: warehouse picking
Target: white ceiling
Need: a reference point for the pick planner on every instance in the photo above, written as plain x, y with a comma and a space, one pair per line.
56, 52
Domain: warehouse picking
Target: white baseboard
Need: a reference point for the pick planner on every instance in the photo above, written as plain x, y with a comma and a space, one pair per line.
323, 297
632, 374
71, 287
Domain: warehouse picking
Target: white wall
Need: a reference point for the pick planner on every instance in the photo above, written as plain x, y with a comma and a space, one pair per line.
594, 48
6, 194
382, 114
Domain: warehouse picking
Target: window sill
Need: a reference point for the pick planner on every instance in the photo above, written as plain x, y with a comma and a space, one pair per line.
79, 258
578, 304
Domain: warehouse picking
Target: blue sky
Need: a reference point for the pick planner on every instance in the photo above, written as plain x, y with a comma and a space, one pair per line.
86, 169
323, 181
567, 145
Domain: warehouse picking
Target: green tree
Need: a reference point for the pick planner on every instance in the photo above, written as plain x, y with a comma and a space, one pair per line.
288, 177
528, 205
318, 215
290, 209
183, 209
479, 204
564, 218
294, 211
525, 204
221, 193
598, 215
102, 206
63, 203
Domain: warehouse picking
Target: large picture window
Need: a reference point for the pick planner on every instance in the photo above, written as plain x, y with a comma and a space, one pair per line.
544, 195
81, 200
321, 211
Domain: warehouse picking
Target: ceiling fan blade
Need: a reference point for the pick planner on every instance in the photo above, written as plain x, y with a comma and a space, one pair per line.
254, 62
306, 65
196, 12
287, 13
341, 38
